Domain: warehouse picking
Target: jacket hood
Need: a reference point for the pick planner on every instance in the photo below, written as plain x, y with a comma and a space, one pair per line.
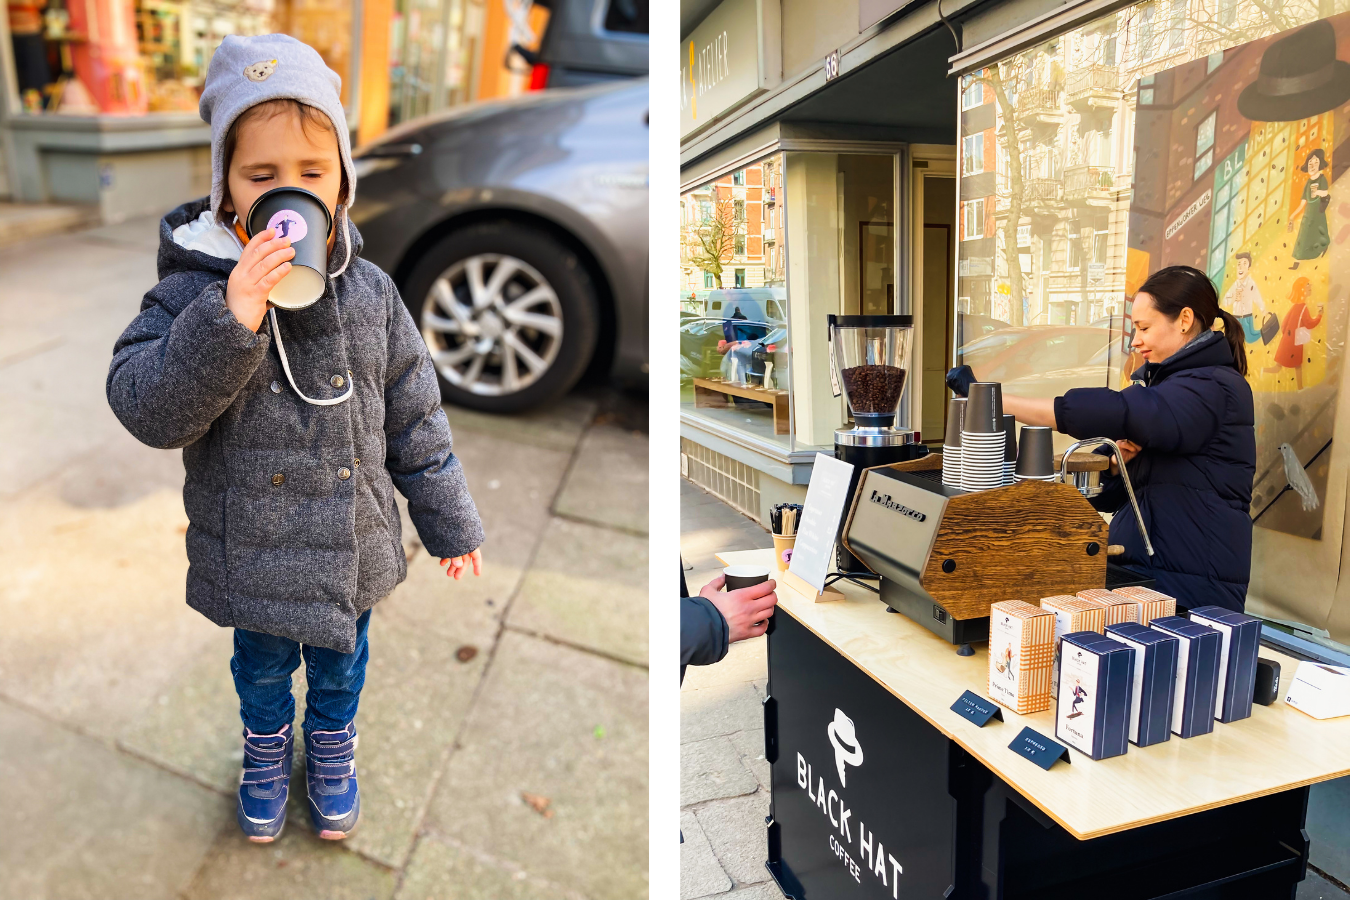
1209, 349
173, 258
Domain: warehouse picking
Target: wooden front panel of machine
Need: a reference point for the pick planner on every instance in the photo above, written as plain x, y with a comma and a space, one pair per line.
1021, 542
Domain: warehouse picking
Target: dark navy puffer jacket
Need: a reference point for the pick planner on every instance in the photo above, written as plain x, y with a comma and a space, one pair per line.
1193, 415
294, 531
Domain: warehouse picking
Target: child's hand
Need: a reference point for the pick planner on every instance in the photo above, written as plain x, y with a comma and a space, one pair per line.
262, 264
458, 565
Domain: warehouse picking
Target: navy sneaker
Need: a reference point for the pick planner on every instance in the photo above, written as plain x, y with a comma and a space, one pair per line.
330, 768
264, 784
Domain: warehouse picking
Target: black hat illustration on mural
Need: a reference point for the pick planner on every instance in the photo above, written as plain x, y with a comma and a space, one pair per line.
1300, 76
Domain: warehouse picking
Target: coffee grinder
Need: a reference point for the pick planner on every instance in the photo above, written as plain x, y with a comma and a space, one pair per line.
870, 361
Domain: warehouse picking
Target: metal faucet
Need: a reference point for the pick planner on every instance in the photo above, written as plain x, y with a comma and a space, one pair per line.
1089, 491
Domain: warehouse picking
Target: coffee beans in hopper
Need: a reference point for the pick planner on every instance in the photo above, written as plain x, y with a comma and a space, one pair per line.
874, 389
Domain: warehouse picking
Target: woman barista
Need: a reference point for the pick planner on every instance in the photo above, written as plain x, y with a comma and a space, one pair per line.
1186, 429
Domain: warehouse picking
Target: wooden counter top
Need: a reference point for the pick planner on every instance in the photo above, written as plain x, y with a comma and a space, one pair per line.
1278, 748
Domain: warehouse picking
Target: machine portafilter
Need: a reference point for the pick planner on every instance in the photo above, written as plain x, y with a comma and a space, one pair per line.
1089, 486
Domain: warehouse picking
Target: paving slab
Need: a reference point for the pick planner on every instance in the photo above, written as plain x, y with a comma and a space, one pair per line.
712, 770
607, 485
83, 816
750, 745
720, 709
440, 870
588, 586
1329, 827
746, 660
561, 724
765, 891
701, 874
296, 866
554, 426
738, 835
1315, 887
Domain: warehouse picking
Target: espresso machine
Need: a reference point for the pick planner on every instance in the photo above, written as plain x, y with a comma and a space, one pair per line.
870, 359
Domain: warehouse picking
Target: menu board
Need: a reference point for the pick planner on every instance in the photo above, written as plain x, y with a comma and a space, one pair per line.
826, 497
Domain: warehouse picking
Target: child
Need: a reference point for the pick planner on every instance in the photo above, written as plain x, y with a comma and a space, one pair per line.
292, 451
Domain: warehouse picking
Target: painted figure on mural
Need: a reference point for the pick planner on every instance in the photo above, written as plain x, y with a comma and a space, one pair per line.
1296, 332
1243, 299
1313, 236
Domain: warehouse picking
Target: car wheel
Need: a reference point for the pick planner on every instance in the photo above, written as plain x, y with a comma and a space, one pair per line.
509, 314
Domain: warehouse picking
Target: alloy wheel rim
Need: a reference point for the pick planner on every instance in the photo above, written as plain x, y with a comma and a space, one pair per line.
493, 324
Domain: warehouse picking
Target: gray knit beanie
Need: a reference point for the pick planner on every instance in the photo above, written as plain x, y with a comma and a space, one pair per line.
246, 71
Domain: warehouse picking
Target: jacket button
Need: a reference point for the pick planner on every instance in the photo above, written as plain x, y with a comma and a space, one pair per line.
276, 387
278, 478
344, 473
356, 463
337, 381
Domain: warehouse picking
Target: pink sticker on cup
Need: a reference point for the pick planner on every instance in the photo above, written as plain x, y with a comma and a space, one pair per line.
288, 224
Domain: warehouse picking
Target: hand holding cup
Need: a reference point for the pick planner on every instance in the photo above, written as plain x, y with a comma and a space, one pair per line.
264, 262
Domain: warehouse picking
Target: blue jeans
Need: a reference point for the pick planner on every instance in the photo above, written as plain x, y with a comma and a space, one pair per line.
262, 667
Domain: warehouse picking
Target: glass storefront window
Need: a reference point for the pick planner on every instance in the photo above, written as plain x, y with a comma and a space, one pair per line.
130, 57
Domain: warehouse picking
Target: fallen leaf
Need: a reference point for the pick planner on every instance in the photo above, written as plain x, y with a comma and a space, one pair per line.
538, 804
466, 653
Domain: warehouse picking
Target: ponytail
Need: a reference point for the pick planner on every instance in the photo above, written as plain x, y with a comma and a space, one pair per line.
1180, 287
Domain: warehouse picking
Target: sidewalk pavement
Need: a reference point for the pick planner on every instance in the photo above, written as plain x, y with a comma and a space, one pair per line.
724, 778
504, 719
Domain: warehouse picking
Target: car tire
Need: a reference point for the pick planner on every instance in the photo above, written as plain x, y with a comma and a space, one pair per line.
543, 279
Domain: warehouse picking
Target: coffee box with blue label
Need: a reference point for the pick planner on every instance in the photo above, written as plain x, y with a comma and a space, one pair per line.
1092, 712
1197, 674
1154, 683
1241, 636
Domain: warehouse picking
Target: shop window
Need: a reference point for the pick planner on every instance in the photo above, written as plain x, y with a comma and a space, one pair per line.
974, 219
626, 16
740, 278
972, 154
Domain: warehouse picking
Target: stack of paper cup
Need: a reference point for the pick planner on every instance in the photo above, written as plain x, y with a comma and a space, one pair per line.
982, 439
951, 442
1009, 448
1035, 454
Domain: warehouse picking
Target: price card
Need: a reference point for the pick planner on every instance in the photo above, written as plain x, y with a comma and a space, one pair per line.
826, 497
1039, 749
974, 708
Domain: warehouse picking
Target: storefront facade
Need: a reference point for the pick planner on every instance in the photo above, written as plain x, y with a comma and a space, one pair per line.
98, 99
1102, 140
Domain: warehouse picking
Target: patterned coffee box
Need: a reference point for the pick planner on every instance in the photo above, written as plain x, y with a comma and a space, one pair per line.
1092, 708
1237, 659
1197, 674
1021, 644
1155, 681
1119, 608
1072, 614
1152, 604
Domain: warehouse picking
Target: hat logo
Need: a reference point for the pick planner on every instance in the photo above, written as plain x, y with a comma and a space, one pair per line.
260, 71
847, 750
288, 223
1300, 76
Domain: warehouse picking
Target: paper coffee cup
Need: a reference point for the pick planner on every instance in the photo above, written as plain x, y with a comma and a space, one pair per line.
297, 214
744, 576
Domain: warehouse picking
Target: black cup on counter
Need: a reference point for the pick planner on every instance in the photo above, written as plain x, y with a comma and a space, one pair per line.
1036, 453
984, 409
956, 418
1010, 438
300, 215
745, 576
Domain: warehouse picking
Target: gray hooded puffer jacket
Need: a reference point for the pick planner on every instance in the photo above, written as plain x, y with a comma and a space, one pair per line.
294, 531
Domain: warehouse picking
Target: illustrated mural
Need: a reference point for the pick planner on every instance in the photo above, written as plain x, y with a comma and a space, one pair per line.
1239, 159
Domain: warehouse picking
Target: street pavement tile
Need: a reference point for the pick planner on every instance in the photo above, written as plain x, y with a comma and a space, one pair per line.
722, 709
765, 891
1315, 887
94, 611
82, 818
439, 871
296, 866
416, 696
750, 744
738, 835
745, 661
1329, 827
701, 874
570, 730
554, 426
608, 482
711, 770
588, 586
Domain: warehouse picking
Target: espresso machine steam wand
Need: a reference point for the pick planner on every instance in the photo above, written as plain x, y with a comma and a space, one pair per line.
1089, 487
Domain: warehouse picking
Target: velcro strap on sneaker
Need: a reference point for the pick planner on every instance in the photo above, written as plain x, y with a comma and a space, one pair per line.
331, 751
266, 754
264, 775
331, 770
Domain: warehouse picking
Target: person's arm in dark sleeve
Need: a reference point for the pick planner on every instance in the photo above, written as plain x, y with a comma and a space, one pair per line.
1177, 416
704, 634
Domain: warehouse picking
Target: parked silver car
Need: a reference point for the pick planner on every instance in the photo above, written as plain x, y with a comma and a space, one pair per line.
517, 234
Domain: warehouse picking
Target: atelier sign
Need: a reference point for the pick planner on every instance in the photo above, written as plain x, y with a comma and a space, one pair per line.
732, 56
